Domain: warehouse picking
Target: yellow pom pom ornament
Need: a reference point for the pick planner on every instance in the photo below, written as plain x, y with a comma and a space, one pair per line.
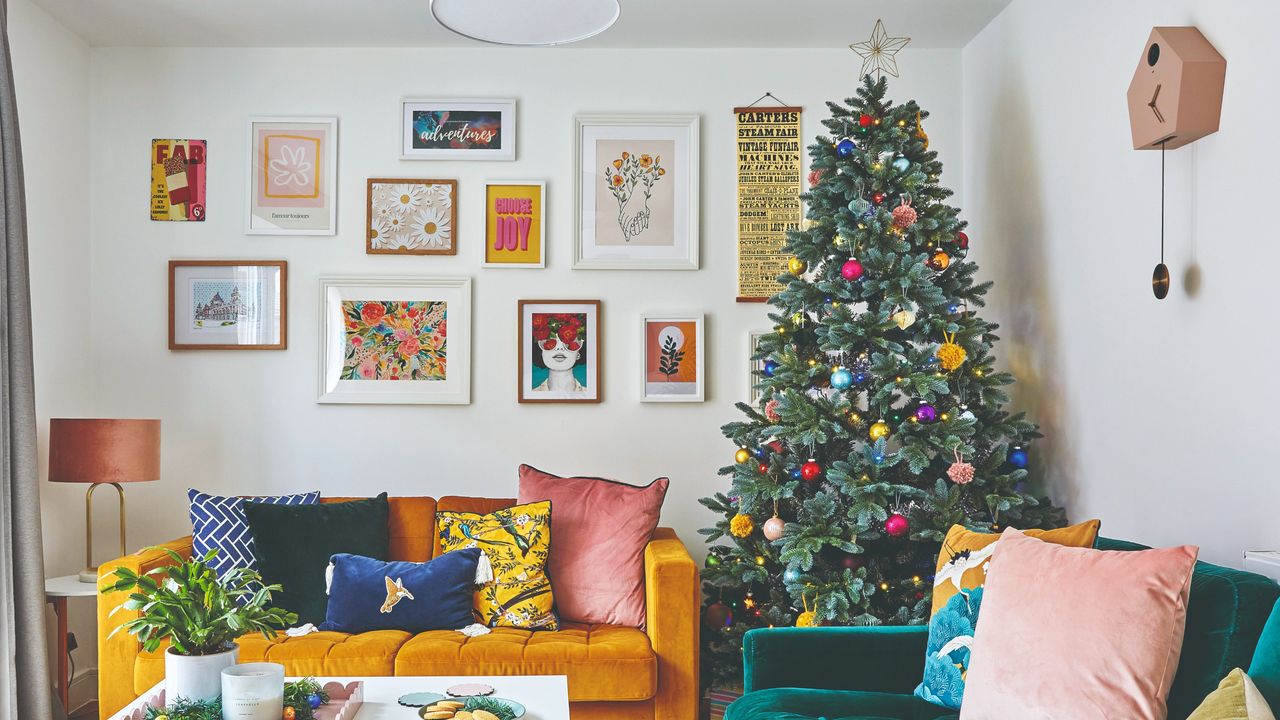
951, 355
808, 618
741, 525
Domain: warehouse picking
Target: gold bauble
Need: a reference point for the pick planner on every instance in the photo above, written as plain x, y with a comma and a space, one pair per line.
878, 429
797, 266
806, 619
742, 455
940, 261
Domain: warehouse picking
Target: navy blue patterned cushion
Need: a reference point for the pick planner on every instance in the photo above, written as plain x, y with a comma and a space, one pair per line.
218, 522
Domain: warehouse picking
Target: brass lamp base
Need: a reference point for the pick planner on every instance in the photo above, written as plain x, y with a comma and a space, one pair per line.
90, 573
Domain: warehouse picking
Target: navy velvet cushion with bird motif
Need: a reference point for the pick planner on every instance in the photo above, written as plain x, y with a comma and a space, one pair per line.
367, 594
517, 541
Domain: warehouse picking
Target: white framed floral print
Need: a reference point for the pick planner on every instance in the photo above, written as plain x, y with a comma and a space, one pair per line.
395, 340
292, 176
636, 187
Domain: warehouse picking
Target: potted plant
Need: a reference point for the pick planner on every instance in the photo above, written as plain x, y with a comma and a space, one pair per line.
201, 615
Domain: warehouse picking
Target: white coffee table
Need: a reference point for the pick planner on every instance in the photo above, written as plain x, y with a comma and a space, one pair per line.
545, 697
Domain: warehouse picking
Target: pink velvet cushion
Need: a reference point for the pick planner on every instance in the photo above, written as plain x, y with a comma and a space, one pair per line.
1076, 633
599, 529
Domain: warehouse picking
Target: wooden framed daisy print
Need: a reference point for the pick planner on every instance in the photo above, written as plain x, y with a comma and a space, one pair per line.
292, 182
515, 224
411, 217
672, 363
559, 351
395, 340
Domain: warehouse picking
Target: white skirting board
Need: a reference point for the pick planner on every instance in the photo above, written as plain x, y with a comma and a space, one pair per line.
1263, 562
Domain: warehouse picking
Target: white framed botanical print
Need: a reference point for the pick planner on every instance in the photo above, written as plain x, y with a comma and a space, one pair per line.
395, 340
292, 176
442, 129
755, 367
672, 361
636, 187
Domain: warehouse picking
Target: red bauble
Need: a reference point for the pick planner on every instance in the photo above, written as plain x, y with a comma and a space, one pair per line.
865, 120
851, 270
896, 525
717, 616
764, 468
962, 240
877, 198
810, 470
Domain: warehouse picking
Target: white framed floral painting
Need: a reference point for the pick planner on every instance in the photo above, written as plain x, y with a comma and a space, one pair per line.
292, 183
636, 186
411, 217
403, 340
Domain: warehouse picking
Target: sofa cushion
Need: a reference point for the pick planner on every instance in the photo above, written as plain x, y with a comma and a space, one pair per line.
367, 594
1226, 612
218, 523
603, 662
1236, 698
411, 527
809, 704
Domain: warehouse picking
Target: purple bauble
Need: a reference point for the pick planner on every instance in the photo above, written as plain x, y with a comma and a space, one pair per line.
926, 413
851, 270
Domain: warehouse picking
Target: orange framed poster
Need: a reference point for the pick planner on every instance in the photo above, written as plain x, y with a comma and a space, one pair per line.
515, 224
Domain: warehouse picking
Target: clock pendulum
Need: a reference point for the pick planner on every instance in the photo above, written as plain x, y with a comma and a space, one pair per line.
1160, 276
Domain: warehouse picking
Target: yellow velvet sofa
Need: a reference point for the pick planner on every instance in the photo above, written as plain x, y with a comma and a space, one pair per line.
615, 673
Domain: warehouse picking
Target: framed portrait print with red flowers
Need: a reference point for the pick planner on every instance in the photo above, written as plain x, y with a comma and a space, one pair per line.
395, 340
560, 351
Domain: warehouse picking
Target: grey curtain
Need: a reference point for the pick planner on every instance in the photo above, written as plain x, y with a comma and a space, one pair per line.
27, 692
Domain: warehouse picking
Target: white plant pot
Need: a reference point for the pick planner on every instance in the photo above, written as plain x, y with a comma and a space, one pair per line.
196, 677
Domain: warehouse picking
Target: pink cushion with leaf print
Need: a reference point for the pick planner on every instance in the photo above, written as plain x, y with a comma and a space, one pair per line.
599, 529
1077, 634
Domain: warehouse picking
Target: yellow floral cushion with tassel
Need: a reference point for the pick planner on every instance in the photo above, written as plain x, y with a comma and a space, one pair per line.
517, 541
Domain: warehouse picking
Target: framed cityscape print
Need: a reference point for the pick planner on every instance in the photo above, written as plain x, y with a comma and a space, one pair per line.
389, 340
411, 217
228, 304
560, 353
672, 361
292, 183
636, 192
433, 129
515, 224
755, 367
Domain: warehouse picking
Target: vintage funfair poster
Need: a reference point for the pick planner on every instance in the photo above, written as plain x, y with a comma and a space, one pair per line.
178, 171
769, 175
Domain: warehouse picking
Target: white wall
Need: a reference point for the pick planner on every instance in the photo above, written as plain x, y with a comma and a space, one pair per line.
51, 78
247, 422
1159, 414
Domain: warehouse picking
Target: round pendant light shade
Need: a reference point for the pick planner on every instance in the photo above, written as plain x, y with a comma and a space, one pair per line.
526, 22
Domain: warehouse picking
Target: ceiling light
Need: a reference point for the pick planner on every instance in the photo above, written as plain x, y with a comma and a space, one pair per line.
526, 22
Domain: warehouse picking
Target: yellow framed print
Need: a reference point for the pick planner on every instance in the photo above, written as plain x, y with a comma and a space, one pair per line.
515, 224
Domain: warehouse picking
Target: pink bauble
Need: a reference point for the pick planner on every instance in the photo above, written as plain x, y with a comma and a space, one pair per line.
896, 525
960, 472
771, 411
851, 270
772, 528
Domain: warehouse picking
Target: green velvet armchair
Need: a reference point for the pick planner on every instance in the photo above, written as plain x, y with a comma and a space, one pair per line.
869, 673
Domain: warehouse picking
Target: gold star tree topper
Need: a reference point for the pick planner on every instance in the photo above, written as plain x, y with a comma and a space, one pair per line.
878, 53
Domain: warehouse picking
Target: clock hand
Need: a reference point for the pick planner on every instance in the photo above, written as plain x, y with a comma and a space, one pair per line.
1152, 104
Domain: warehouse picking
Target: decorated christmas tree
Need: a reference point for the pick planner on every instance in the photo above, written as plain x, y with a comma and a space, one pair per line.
880, 421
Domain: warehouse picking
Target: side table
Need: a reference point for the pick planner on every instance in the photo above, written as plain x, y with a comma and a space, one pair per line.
56, 591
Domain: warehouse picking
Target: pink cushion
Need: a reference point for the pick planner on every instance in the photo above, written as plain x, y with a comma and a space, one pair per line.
1076, 633
599, 529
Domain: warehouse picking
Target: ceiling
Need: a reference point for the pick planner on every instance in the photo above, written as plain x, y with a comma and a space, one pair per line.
408, 23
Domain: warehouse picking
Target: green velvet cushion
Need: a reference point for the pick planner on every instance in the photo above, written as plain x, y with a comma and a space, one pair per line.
1265, 668
1225, 614
809, 704
293, 543
887, 659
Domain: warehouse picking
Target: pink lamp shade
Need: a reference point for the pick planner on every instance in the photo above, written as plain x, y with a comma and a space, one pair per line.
84, 450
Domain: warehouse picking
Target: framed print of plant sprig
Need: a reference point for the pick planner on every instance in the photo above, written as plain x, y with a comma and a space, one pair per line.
673, 359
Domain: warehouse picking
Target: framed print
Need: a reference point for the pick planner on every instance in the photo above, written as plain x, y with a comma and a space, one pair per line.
228, 304
515, 224
178, 172
292, 182
457, 129
560, 351
411, 217
755, 367
395, 340
636, 192
672, 361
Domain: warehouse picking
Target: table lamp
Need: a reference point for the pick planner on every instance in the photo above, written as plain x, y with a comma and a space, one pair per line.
102, 452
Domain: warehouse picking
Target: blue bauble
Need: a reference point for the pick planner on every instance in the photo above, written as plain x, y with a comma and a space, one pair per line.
901, 164
845, 147
791, 576
315, 701
1018, 458
770, 367
841, 379
760, 453
796, 474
